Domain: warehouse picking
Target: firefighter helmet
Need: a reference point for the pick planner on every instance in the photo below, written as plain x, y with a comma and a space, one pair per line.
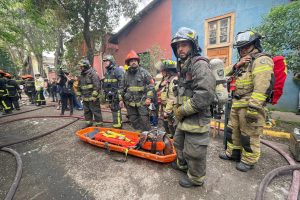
248, 37
84, 63
7, 75
132, 55
186, 34
169, 65
109, 58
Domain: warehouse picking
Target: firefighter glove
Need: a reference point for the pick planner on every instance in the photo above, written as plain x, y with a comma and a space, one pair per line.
251, 115
178, 114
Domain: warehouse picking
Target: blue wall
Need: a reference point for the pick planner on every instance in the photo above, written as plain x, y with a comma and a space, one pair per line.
248, 14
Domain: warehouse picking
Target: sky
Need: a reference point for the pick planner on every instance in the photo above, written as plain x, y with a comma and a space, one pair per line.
123, 21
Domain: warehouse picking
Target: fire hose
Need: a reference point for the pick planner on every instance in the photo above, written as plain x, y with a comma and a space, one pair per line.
16, 181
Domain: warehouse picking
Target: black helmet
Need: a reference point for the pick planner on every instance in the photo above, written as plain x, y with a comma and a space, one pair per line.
246, 38
85, 63
169, 66
109, 58
186, 34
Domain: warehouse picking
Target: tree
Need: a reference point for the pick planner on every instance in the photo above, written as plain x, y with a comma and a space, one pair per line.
95, 17
281, 30
6, 63
27, 27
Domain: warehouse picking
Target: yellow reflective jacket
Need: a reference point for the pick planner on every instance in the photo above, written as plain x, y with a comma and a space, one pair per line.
253, 84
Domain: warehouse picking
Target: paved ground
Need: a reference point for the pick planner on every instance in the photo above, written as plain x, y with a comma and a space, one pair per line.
60, 166
286, 116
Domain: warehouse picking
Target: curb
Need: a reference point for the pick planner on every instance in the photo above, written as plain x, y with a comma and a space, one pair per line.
267, 131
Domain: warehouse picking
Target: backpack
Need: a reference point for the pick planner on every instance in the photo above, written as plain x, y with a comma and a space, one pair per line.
155, 141
278, 80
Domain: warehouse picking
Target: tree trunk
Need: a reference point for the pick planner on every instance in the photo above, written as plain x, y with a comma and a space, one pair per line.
39, 57
59, 52
87, 33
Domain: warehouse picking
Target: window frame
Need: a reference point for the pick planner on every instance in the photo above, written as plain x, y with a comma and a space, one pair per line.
230, 31
228, 44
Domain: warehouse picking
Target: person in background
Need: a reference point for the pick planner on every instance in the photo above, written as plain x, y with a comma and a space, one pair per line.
39, 85
76, 102
14, 91
88, 90
67, 92
111, 86
164, 88
53, 91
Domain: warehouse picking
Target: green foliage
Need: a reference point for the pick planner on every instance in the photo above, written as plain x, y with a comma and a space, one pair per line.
6, 63
151, 57
95, 18
281, 28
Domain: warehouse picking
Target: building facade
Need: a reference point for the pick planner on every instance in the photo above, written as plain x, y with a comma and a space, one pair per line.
218, 21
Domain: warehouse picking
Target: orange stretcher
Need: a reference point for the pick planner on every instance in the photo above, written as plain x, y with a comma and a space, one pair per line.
85, 135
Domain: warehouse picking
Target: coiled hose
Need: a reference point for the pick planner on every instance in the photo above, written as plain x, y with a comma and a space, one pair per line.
14, 186
294, 189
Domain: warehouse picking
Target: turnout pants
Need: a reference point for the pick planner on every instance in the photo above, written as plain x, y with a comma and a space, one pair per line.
40, 98
92, 112
15, 102
243, 138
116, 114
168, 123
65, 98
139, 117
5, 103
191, 149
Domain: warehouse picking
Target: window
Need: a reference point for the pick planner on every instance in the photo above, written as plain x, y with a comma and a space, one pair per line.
218, 31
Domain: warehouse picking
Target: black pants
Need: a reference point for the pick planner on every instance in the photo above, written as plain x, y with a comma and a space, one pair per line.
65, 98
139, 117
5, 103
15, 102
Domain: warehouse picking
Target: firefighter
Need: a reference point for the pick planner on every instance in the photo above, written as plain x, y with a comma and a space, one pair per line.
88, 90
138, 86
29, 88
39, 87
14, 91
194, 93
166, 97
4, 100
111, 86
252, 74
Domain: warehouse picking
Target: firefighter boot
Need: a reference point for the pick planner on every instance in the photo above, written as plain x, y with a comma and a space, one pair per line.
243, 167
224, 156
183, 168
187, 183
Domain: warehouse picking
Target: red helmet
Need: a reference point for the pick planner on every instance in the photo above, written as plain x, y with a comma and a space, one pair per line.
132, 55
7, 75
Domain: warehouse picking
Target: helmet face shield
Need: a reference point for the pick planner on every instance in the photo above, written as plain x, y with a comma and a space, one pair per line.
246, 38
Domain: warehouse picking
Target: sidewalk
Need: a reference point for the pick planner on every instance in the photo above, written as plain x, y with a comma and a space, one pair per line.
285, 116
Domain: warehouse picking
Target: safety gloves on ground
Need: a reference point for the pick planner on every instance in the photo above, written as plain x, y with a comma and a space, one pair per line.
251, 115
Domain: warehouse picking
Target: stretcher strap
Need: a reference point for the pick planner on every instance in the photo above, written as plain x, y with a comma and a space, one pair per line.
108, 152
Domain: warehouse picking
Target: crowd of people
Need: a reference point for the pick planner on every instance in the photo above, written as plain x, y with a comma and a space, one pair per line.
182, 98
